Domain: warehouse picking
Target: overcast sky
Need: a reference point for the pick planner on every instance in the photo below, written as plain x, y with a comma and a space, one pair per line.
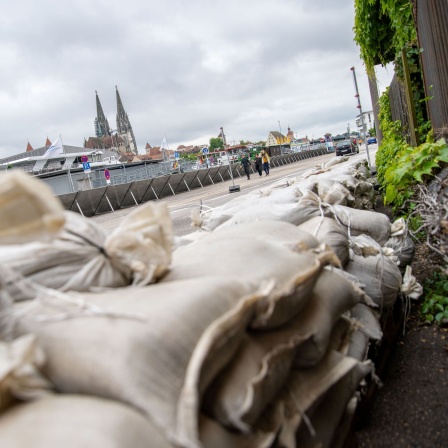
184, 68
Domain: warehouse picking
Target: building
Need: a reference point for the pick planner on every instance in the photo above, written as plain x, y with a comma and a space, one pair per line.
121, 140
277, 143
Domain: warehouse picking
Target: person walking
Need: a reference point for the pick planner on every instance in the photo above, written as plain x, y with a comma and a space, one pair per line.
245, 162
265, 159
259, 165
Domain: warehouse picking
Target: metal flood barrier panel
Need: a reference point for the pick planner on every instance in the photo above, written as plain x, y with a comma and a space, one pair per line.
109, 198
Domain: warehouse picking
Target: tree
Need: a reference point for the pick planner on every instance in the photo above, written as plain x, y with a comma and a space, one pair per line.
216, 143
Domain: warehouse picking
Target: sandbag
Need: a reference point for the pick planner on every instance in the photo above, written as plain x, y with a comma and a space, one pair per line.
330, 232
156, 348
358, 222
214, 435
275, 231
29, 211
20, 375
292, 274
379, 273
332, 296
75, 421
401, 243
257, 372
83, 257
332, 192
326, 416
306, 389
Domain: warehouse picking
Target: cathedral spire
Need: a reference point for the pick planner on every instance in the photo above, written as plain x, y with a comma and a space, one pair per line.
101, 124
124, 127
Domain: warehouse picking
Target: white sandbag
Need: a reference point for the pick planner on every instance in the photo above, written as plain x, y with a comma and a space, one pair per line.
402, 244
257, 372
334, 161
305, 390
377, 271
358, 222
215, 435
292, 274
325, 417
76, 421
332, 192
82, 257
275, 231
332, 296
367, 328
20, 376
330, 232
155, 348
29, 210
411, 288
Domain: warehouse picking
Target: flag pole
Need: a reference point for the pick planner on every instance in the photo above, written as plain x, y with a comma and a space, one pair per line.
68, 167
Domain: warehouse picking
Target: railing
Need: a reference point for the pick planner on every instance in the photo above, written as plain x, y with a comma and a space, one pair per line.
137, 190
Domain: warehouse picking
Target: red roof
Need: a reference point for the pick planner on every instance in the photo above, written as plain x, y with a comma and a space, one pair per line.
48, 143
29, 147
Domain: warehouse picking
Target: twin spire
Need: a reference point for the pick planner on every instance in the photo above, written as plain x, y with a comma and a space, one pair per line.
124, 127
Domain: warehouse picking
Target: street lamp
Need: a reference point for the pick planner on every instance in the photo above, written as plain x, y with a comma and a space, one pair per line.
233, 188
280, 127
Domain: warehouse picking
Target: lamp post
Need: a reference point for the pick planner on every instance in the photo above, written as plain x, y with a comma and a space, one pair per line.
362, 115
233, 188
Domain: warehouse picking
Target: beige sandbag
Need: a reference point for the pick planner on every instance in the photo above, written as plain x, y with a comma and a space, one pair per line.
401, 243
378, 272
214, 435
334, 161
156, 347
257, 372
332, 192
75, 421
306, 389
292, 274
330, 232
358, 222
276, 231
20, 375
332, 296
367, 329
82, 257
326, 416
29, 210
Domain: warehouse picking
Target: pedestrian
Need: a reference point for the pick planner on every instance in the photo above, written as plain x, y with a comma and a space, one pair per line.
245, 163
265, 159
258, 164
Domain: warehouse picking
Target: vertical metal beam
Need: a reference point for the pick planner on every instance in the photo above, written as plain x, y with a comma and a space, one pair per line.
110, 205
155, 194
79, 208
133, 197
185, 182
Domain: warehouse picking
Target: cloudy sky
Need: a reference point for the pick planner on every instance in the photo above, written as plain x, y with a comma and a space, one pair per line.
184, 68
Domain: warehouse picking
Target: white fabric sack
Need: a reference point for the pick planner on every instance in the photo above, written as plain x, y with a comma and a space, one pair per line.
306, 388
82, 257
332, 192
29, 210
20, 375
292, 274
155, 348
275, 231
401, 243
377, 271
76, 421
364, 222
330, 232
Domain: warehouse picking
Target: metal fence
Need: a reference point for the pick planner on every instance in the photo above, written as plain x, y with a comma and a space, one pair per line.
112, 197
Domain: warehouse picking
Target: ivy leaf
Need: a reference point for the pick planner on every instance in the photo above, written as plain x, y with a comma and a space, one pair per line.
402, 170
426, 168
443, 155
391, 193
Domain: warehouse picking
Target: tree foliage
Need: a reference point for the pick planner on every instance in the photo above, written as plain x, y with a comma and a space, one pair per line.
382, 28
216, 144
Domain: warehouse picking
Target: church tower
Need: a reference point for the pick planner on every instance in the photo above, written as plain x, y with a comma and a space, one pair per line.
124, 127
101, 124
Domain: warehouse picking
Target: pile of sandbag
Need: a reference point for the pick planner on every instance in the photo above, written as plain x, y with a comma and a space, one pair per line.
254, 332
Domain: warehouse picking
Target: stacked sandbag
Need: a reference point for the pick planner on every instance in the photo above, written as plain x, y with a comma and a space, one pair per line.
401, 243
376, 269
75, 421
155, 348
82, 257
